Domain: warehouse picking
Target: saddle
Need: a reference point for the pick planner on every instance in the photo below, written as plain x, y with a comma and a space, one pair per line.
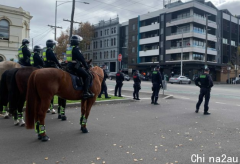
77, 82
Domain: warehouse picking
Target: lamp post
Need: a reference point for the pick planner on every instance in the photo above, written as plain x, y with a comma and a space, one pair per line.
56, 13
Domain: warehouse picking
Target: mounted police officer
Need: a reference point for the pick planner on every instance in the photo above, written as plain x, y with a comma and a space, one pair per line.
48, 55
206, 84
35, 59
119, 83
104, 85
75, 61
24, 53
136, 85
156, 85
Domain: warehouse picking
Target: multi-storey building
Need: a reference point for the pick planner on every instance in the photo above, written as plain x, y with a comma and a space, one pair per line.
160, 36
104, 48
14, 26
123, 48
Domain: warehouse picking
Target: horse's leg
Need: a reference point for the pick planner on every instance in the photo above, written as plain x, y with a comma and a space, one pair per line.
63, 106
20, 110
15, 118
42, 110
59, 107
88, 106
82, 118
52, 110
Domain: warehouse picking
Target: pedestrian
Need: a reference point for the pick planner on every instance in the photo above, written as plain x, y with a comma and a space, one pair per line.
206, 84
156, 85
104, 85
35, 59
119, 83
24, 53
136, 85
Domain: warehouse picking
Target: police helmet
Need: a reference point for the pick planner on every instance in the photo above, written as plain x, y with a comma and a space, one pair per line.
50, 43
37, 48
25, 41
75, 40
157, 67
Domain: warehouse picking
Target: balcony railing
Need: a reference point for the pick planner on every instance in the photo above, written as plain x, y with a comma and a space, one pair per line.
189, 16
203, 47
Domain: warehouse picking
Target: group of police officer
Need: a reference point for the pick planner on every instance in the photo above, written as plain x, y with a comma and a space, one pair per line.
75, 59
76, 62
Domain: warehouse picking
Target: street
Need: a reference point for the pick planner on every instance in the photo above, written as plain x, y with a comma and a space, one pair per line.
136, 132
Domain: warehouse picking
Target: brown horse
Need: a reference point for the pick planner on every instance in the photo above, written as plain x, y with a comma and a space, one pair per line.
43, 84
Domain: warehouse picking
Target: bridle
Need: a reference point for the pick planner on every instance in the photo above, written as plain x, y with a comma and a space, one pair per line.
95, 73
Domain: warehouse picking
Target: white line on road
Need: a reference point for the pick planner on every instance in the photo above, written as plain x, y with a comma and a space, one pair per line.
220, 103
238, 105
184, 98
168, 97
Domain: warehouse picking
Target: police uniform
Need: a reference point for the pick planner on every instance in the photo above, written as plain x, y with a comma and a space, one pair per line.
76, 61
104, 85
136, 85
157, 84
119, 83
50, 59
206, 84
35, 59
24, 54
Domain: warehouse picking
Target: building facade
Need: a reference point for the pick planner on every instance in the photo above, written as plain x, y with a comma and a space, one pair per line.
123, 48
14, 26
104, 48
163, 34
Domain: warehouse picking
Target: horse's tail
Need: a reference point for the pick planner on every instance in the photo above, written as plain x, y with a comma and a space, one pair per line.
3, 89
32, 99
14, 92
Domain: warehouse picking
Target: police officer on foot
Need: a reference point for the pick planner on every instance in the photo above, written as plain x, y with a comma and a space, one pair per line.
206, 84
104, 85
35, 59
24, 53
136, 85
156, 84
119, 83
75, 61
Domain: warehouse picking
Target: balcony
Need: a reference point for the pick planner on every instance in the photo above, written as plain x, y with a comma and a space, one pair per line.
189, 19
153, 52
174, 50
154, 26
189, 34
149, 40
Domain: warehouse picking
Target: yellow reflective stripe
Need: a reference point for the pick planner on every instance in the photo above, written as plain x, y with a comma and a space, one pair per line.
44, 55
20, 53
31, 59
69, 53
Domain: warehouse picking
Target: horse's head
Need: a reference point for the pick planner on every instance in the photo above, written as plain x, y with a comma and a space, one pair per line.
89, 63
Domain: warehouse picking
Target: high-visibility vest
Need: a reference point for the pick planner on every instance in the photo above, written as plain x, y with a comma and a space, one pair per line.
20, 53
44, 54
69, 53
31, 59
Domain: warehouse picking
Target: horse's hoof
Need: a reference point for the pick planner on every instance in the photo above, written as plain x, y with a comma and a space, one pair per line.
64, 118
21, 125
16, 122
39, 137
6, 117
45, 138
53, 111
59, 116
84, 130
48, 111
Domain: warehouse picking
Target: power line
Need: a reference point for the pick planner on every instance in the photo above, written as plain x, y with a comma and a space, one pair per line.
43, 37
44, 34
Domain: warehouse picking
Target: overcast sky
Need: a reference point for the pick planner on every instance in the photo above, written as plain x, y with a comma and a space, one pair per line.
43, 12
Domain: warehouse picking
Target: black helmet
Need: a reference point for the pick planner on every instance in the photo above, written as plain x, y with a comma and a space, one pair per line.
37, 48
50, 43
25, 41
75, 40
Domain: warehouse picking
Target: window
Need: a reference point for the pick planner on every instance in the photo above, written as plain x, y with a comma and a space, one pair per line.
1, 59
197, 57
100, 44
114, 41
100, 33
112, 30
107, 54
133, 38
4, 29
133, 27
185, 56
104, 43
225, 41
115, 30
100, 55
113, 53
107, 43
111, 42
133, 49
233, 43
96, 44
107, 31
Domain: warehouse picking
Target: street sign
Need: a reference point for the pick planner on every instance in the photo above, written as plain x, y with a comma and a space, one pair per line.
120, 57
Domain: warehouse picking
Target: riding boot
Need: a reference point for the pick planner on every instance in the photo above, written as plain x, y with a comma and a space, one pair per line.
152, 98
86, 93
137, 96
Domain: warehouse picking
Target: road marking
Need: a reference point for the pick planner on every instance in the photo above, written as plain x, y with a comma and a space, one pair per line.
168, 97
220, 103
145, 98
238, 105
184, 98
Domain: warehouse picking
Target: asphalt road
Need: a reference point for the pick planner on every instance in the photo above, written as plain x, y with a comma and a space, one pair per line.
134, 133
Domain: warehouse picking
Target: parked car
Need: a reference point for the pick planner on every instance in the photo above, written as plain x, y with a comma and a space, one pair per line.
112, 75
179, 79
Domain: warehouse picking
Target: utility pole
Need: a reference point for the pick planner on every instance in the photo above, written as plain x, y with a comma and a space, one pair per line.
206, 41
32, 44
55, 27
72, 17
71, 28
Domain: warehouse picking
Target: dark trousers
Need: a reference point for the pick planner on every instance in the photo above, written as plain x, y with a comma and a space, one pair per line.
86, 77
204, 92
118, 88
136, 88
155, 89
103, 89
